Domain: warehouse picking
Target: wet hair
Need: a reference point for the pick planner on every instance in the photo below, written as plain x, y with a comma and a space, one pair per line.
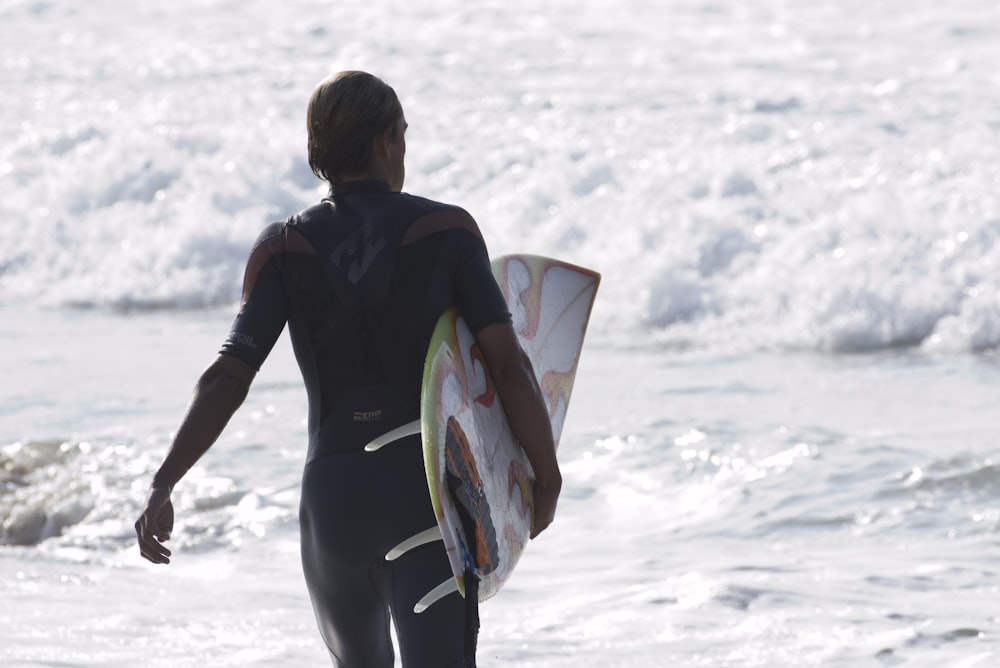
346, 112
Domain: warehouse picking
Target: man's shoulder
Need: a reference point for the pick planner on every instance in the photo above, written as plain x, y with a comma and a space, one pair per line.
311, 214
432, 217
416, 216
426, 205
397, 205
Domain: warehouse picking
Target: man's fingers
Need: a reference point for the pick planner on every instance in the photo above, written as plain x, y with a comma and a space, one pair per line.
150, 547
154, 526
155, 553
539, 528
156, 557
544, 513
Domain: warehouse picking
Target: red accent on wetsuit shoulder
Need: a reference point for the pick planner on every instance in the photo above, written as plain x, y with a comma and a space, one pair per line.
275, 240
440, 221
296, 242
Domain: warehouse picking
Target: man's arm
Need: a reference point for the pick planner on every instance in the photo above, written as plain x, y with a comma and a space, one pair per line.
218, 393
515, 382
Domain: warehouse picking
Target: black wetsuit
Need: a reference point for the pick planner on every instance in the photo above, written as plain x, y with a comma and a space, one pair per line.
361, 279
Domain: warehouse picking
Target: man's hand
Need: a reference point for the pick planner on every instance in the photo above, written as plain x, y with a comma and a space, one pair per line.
155, 524
546, 494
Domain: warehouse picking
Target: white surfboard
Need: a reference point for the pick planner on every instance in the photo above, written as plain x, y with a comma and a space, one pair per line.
470, 455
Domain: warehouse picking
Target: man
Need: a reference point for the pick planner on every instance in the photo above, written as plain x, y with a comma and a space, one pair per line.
361, 279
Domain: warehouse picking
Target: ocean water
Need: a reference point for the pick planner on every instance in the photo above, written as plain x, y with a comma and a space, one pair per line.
782, 447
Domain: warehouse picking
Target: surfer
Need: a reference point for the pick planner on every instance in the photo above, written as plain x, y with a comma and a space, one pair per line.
360, 279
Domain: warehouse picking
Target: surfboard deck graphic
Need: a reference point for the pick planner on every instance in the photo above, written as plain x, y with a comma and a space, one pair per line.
479, 479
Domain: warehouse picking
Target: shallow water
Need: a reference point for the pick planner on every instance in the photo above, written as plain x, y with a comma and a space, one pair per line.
724, 511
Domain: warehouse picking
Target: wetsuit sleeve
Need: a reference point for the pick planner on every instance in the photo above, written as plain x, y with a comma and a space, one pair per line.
477, 294
264, 306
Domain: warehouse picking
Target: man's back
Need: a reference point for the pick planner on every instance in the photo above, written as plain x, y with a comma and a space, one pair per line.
361, 278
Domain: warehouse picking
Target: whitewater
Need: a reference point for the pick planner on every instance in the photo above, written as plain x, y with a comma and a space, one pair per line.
782, 446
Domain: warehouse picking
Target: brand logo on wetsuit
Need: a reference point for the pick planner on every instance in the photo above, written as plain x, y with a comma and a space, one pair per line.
367, 416
362, 248
242, 339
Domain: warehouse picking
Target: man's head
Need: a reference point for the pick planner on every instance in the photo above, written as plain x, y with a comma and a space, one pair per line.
354, 118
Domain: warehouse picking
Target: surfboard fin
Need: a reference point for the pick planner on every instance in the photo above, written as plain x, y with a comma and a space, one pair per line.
408, 429
422, 538
449, 586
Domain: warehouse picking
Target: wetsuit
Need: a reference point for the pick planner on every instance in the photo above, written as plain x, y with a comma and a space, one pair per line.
361, 279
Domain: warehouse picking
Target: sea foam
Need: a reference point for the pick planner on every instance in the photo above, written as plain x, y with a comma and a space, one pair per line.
819, 178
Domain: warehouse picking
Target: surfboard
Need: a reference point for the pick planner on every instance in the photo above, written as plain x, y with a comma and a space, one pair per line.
479, 478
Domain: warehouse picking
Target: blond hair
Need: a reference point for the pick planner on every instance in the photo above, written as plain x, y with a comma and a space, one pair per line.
346, 112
